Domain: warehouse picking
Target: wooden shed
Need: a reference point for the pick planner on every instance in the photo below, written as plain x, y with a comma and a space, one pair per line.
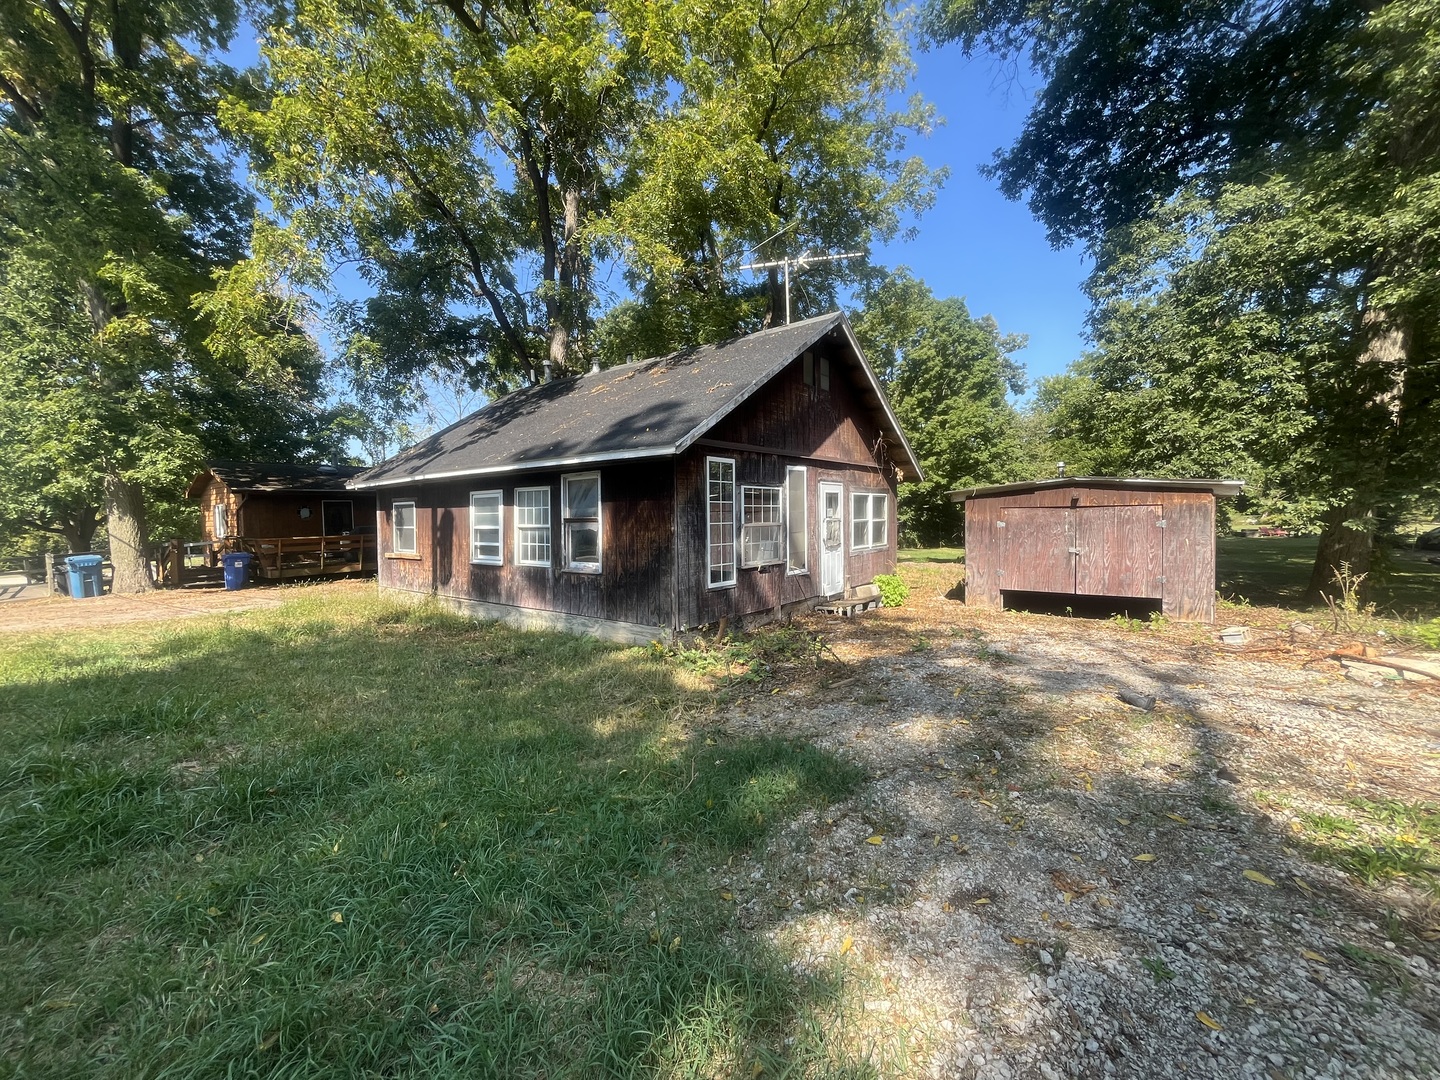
729, 482
1102, 537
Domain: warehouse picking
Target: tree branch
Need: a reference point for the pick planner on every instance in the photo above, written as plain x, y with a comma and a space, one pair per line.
80, 42
23, 105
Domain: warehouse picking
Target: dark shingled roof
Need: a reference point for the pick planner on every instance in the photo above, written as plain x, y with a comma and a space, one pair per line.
275, 476
649, 408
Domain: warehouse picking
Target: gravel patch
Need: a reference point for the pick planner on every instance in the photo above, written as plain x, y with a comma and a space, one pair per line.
1040, 880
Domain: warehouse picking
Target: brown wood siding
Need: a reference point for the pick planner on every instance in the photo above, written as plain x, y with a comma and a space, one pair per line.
216, 493
277, 513
828, 432
636, 547
789, 418
1129, 553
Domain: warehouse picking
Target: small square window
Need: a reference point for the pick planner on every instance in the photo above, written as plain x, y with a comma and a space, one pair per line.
762, 529
869, 521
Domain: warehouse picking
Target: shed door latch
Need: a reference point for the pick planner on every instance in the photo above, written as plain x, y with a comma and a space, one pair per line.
1074, 551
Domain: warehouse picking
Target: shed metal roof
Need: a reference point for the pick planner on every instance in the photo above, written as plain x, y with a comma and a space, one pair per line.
274, 476
1218, 488
649, 408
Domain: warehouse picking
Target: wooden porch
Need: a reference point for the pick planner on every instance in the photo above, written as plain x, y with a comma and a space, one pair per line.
282, 558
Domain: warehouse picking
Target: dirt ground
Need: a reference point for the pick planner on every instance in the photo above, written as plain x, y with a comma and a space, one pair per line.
60, 613
1040, 880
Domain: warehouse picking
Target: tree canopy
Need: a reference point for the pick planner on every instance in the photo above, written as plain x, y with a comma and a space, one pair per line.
949, 377
490, 167
1259, 185
132, 339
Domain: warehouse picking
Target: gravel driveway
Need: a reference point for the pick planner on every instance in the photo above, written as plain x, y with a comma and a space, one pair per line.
1041, 881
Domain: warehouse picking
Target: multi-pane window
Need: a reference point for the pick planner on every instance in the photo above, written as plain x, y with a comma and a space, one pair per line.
797, 524
720, 520
532, 526
402, 528
485, 512
869, 519
580, 511
762, 529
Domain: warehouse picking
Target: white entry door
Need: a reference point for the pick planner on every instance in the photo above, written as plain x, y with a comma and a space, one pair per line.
832, 539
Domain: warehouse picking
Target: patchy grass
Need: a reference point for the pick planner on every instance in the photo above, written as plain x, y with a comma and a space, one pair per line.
932, 555
347, 838
1375, 842
1274, 571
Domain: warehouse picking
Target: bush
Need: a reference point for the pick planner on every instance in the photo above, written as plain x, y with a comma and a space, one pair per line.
893, 591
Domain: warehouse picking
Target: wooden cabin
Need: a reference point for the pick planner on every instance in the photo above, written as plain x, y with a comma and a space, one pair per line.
1101, 537
297, 520
728, 482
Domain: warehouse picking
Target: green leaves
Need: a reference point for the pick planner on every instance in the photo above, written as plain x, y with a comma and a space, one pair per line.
948, 376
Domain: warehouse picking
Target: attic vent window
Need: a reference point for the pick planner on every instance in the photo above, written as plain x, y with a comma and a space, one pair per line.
815, 371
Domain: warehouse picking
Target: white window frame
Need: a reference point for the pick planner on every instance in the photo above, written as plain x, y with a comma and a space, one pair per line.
710, 526
414, 548
520, 528
498, 559
744, 525
220, 520
882, 521
796, 478
566, 520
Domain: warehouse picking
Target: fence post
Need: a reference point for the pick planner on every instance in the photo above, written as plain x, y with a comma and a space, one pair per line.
49, 573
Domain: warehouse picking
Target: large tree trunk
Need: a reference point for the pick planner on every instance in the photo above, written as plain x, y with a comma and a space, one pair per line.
1349, 533
1342, 543
79, 531
125, 523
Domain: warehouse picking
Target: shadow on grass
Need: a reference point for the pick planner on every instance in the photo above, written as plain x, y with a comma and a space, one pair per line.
357, 839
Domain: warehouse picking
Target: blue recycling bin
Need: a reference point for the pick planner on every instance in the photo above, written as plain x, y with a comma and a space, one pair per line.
237, 569
85, 576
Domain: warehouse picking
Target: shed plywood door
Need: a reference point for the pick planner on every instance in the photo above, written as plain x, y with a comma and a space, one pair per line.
1119, 551
1035, 549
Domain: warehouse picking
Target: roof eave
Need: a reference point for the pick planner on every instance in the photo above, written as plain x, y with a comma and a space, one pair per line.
1222, 489
361, 484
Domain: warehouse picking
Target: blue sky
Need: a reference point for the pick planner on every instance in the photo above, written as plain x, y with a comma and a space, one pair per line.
977, 244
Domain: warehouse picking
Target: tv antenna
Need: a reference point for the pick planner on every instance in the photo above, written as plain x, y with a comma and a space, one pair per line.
799, 263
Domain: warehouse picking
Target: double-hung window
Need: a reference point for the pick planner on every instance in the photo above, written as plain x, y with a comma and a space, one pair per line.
402, 528
486, 508
580, 511
220, 518
869, 520
720, 520
762, 529
797, 521
532, 526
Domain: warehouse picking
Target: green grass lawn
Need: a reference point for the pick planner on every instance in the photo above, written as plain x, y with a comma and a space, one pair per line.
1275, 570
932, 555
344, 838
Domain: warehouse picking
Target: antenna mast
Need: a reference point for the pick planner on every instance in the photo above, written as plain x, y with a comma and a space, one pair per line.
799, 262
